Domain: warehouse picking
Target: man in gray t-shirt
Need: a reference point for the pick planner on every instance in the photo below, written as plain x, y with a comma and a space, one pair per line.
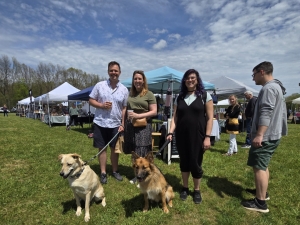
268, 125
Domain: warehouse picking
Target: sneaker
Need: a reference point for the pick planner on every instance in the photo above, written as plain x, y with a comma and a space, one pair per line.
253, 191
184, 193
133, 181
246, 146
197, 197
255, 206
103, 178
117, 176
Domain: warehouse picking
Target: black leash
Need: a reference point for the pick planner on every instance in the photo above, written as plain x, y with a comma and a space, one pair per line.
85, 163
162, 147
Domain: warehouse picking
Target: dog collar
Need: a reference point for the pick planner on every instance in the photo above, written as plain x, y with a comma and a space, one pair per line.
78, 174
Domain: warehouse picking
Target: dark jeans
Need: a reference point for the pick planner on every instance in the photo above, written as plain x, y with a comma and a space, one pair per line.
73, 118
248, 124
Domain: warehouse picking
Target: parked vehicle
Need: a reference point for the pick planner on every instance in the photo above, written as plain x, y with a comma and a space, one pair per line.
1, 110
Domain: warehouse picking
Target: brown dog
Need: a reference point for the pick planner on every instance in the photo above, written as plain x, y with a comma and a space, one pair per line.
83, 181
151, 181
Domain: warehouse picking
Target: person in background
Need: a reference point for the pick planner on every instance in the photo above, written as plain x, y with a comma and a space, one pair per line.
143, 103
232, 124
73, 112
193, 120
289, 112
109, 97
268, 125
249, 114
5, 110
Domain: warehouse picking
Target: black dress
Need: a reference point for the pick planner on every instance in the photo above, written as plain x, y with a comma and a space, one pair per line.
190, 134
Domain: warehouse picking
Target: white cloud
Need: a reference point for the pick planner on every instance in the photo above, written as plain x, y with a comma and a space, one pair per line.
216, 37
151, 40
160, 45
175, 36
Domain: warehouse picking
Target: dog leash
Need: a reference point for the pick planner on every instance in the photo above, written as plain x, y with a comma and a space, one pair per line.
162, 147
85, 163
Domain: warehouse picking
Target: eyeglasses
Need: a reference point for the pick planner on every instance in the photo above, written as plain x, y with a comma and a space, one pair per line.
253, 75
190, 78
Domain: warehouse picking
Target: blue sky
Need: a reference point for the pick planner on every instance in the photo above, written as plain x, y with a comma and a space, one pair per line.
216, 37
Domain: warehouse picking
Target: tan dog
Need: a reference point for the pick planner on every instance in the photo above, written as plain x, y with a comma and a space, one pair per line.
151, 181
83, 180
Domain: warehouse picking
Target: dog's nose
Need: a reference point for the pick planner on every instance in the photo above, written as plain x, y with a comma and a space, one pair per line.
61, 173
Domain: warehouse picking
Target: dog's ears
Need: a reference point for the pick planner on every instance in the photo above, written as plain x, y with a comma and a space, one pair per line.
60, 157
75, 156
150, 157
134, 156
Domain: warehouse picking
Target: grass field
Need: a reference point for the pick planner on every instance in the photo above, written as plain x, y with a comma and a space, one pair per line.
32, 192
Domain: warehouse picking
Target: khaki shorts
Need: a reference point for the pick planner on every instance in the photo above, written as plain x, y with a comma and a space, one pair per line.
260, 157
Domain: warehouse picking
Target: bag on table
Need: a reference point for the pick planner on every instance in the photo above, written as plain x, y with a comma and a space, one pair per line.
139, 122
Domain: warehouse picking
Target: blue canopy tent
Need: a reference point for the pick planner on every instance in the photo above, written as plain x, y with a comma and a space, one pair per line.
161, 79
158, 80
82, 95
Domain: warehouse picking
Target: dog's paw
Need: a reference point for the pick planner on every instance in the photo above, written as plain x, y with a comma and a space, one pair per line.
87, 218
103, 202
78, 212
145, 210
170, 203
166, 210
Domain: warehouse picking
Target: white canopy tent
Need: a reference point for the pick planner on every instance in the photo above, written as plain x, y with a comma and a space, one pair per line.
226, 86
296, 101
25, 101
60, 94
223, 102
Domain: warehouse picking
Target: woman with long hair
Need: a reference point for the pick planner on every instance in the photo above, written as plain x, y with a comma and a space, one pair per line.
193, 119
141, 104
232, 124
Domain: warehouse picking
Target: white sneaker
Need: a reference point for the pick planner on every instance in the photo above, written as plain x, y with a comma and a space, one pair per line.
246, 146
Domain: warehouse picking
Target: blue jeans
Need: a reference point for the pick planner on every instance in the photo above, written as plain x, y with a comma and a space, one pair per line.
248, 138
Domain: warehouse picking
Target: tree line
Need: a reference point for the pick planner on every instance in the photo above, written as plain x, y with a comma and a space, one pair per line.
16, 79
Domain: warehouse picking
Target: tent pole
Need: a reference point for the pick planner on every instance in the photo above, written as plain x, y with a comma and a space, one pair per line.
171, 109
49, 114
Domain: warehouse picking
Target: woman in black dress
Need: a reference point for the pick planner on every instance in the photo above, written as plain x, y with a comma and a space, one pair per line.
193, 119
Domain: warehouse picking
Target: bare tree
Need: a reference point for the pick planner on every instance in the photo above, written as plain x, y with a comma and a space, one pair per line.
5, 75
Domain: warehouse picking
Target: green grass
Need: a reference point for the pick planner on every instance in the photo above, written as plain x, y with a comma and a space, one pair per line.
32, 192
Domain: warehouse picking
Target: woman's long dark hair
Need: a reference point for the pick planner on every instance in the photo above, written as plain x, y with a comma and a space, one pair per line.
199, 87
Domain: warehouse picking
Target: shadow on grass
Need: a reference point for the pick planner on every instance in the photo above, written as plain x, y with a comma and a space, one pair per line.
136, 204
222, 185
133, 205
69, 205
